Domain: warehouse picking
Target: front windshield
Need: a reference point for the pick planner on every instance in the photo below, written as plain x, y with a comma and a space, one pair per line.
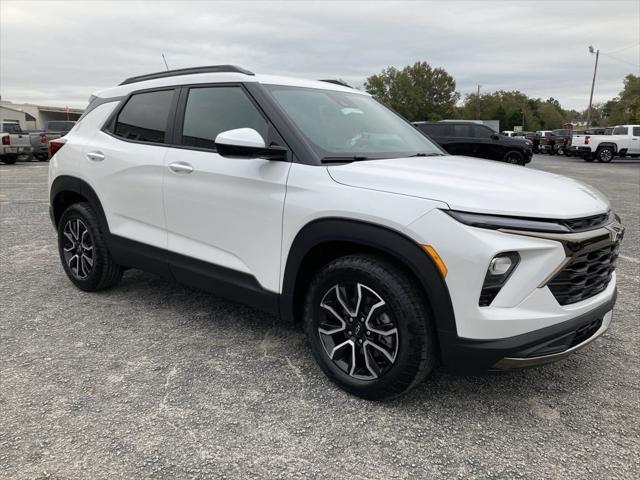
342, 124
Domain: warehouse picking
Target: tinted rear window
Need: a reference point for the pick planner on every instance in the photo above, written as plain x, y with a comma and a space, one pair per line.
144, 117
62, 126
435, 130
620, 131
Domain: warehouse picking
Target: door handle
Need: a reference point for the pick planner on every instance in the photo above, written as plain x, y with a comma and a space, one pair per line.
95, 156
180, 167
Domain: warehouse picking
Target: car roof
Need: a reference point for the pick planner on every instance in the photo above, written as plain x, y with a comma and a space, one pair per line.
214, 74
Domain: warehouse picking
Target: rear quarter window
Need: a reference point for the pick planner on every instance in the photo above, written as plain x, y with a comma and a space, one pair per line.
145, 116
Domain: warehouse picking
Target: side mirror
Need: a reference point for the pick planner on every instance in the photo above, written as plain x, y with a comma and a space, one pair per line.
246, 142
495, 136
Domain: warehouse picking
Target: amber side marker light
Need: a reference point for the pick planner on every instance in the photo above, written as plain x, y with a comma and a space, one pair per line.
442, 268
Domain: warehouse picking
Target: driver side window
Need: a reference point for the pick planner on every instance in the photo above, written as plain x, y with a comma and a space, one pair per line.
212, 110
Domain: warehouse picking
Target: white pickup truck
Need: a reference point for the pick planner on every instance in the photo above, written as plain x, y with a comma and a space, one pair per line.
624, 140
13, 142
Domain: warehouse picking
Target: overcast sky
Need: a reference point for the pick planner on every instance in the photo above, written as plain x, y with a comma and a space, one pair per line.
58, 53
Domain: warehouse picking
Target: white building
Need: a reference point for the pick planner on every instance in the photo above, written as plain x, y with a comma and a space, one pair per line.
34, 117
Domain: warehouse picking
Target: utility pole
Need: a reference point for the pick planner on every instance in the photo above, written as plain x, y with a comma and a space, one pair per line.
478, 104
593, 82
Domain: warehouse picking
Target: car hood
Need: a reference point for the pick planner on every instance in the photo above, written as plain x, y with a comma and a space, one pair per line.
476, 185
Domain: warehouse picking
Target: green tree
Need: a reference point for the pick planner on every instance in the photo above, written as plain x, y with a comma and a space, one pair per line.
626, 108
510, 108
550, 116
418, 91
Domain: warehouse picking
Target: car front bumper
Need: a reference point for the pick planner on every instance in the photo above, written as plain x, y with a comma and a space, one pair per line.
525, 324
539, 347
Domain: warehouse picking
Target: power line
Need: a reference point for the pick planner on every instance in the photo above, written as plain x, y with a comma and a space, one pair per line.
620, 60
623, 49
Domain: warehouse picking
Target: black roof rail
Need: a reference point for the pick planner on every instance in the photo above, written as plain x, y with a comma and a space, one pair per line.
337, 82
187, 71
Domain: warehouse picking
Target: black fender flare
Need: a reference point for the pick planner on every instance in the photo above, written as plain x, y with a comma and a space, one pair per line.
67, 183
390, 242
608, 144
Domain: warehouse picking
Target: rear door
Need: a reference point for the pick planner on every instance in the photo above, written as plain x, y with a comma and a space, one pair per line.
224, 212
462, 141
125, 162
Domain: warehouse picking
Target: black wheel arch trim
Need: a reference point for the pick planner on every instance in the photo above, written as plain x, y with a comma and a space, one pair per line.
67, 183
613, 146
390, 242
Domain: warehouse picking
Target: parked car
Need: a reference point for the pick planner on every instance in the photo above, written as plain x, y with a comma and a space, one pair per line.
39, 144
531, 137
61, 127
546, 141
40, 138
562, 141
509, 133
476, 140
14, 142
622, 141
315, 202
573, 147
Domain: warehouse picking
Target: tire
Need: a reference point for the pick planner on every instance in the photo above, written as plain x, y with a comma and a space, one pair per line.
80, 236
10, 159
513, 157
408, 337
605, 154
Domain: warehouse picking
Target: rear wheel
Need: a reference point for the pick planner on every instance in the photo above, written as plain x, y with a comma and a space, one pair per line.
10, 159
369, 327
605, 154
83, 250
514, 158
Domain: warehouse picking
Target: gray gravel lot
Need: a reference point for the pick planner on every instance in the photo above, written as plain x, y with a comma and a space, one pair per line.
153, 380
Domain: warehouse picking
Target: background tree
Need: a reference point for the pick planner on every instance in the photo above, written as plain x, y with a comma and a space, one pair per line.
418, 91
510, 108
626, 107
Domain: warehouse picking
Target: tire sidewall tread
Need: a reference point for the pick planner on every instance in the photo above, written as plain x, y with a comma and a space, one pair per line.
105, 272
416, 352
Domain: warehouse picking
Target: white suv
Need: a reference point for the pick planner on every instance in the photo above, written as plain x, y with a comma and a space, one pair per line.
314, 202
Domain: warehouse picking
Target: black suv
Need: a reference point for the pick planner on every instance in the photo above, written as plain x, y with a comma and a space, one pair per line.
477, 140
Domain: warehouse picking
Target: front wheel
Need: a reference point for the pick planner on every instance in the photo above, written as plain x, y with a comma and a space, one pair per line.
605, 154
368, 326
514, 158
83, 251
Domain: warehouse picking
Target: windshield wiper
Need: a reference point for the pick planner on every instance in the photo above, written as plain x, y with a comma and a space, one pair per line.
353, 158
420, 154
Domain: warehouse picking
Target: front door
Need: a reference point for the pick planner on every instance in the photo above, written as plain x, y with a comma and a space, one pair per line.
224, 213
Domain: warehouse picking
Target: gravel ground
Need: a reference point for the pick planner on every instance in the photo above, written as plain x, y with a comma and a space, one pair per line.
155, 380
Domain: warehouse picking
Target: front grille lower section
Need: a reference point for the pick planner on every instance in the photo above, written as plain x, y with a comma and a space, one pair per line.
585, 275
